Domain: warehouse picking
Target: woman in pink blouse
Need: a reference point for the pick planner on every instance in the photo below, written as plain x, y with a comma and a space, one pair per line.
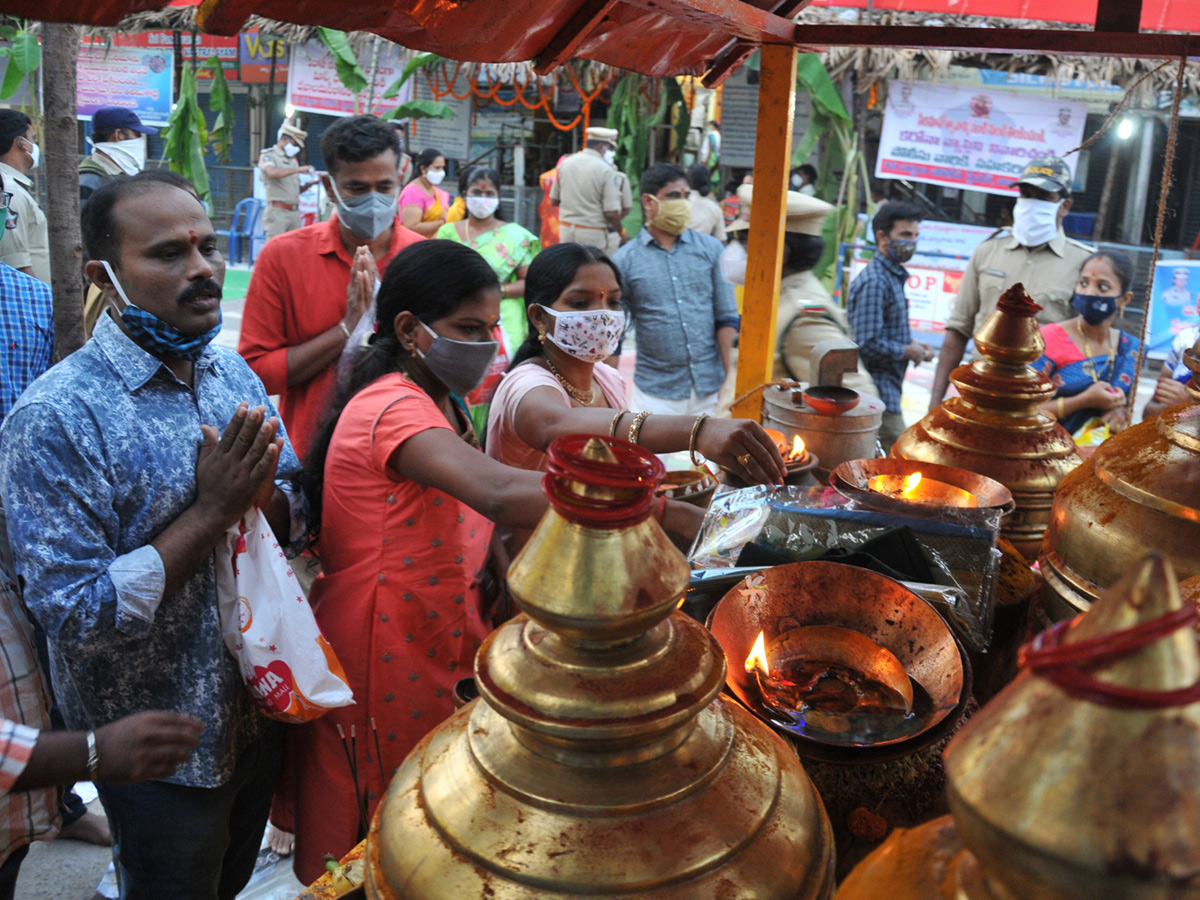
423, 205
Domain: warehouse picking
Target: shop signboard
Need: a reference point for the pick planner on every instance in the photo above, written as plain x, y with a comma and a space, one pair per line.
1173, 303
314, 86
451, 136
976, 139
739, 118
137, 78
255, 52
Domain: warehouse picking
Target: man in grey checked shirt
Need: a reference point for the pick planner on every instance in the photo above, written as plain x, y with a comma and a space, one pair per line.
879, 311
684, 311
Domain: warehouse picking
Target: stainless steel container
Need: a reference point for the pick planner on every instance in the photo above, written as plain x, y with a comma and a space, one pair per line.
832, 439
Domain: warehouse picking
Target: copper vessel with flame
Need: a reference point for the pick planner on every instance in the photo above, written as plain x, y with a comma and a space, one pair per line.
1079, 780
599, 760
995, 427
1140, 491
918, 488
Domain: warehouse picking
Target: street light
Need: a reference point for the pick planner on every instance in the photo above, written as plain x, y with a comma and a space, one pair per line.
1125, 128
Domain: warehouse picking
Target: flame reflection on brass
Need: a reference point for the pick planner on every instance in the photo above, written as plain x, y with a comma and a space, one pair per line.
797, 451
921, 490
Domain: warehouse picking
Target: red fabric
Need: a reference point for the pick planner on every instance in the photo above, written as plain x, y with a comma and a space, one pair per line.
547, 210
399, 604
298, 291
1059, 346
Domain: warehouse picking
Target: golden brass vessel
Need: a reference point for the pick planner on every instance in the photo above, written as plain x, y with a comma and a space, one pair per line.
1060, 797
995, 427
1140, 491
599, 760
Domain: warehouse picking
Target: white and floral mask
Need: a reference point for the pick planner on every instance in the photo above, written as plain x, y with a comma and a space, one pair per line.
590, 334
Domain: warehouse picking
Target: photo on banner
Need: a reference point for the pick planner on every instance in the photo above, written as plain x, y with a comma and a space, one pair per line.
972, 138
1173, 303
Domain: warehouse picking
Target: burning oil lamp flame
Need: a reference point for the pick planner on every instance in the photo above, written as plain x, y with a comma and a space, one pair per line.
758, 656
797, 451
921, 490
910, 484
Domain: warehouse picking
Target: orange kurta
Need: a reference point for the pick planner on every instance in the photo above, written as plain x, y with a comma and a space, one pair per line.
399, 603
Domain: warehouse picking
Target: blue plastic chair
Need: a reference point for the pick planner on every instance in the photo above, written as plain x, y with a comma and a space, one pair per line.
241, 229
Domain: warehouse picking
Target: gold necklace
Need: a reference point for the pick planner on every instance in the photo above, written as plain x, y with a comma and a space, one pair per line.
580, 396
1089, 365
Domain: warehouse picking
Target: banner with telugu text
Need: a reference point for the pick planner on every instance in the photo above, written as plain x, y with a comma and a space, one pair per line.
970, 138
136, 78
314, 85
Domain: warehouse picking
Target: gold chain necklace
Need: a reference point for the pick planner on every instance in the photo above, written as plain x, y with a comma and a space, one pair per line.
584, 397
1089, 365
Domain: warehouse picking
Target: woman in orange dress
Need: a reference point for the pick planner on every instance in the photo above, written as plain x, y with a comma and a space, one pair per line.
405, 505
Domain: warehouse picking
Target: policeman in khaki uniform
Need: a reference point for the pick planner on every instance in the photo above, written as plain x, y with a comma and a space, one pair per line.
588, 193
807, 314
281, 181
1036, 252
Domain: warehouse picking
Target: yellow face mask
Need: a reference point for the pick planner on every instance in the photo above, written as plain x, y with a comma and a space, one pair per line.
673, 215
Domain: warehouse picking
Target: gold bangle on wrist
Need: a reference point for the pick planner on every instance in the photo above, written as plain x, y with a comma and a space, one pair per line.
612, 429
636, 428
1062, 413
692, 439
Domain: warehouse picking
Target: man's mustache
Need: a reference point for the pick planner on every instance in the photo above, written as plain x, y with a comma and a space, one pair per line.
206, 288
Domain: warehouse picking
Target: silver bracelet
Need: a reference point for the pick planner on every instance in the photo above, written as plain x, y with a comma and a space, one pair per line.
345, 330
93, 759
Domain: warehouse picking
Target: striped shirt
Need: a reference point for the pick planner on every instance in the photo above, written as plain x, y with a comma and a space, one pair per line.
24, 711
26, 333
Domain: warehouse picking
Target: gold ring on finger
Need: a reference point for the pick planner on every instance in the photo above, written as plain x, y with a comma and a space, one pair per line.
744, 459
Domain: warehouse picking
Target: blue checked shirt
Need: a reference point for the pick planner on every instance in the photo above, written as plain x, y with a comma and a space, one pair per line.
26, 333
96, 459
677, 300
878, 313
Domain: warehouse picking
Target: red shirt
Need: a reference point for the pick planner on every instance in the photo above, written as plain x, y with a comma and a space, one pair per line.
298, 291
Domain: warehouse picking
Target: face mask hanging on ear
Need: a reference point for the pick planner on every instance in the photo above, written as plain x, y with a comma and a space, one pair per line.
154, 335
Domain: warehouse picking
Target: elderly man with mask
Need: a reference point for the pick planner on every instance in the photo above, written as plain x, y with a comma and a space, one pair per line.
311, 286
1036, 253
118, 148
121, 470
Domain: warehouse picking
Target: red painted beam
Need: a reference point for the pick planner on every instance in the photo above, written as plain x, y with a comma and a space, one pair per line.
563, 45
1002, 40
733, 17
732, 57
226, 17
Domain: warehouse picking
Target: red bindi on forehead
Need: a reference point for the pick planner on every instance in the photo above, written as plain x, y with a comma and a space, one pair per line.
192, 239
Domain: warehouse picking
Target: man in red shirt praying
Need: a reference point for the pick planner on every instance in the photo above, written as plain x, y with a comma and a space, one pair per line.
311, 287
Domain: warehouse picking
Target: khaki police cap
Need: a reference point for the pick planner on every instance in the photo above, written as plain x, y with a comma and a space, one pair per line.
293, 132
601, 134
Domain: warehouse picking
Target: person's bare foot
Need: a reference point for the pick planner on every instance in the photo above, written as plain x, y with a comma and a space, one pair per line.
281, 842
89, 828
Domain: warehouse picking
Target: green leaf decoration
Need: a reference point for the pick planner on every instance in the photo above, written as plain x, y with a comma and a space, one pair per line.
13, 77
421, 109
350, 73
220, 101
26, 52
420, 61
185, 136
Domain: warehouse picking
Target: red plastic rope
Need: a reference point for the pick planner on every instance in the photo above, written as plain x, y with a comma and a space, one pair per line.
1063, 664
637, 473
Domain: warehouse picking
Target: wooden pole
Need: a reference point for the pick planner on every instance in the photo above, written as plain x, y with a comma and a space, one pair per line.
60, 44
772, 159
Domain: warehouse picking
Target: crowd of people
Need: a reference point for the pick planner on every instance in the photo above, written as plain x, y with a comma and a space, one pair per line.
425, 353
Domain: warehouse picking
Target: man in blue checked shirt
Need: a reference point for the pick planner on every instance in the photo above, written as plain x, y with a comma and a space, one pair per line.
121, 469
26, 325
684, 311
878, 311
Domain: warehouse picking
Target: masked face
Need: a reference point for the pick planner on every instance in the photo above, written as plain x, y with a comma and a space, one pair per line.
156, 336
366, 215
129, 155
292, 150
1035, 222
482, 207
460, 365
436, 176
1094, 308
901, 251
588, 334
733, 262
34, 151
610, 156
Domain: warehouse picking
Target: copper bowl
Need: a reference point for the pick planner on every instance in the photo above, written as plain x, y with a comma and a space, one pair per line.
830, 400
800, 594
851, 477
692, 486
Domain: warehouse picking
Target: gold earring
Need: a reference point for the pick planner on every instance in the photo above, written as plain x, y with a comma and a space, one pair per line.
541, 335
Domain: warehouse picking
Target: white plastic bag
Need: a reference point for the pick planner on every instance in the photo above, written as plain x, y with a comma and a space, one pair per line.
289, 667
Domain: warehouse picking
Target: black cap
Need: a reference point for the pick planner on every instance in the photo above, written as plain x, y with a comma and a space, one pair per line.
108, 119
1049, 173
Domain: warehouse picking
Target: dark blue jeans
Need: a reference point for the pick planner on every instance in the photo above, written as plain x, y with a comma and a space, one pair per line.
173, 842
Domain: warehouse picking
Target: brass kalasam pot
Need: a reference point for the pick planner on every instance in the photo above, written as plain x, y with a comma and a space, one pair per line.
1057, 797
599, 760
1139, 492
995, 427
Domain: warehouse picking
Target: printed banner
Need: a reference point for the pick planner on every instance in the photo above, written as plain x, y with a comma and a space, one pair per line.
969, 138
930, 292
1173, 301
136, 78
1098, 95
255, 52
314, 86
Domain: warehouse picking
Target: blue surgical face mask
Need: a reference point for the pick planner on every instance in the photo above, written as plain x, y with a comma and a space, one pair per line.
1093, 308
366, 215
154, 335
460, 365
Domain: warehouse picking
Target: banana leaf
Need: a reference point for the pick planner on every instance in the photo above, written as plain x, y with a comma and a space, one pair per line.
350, 73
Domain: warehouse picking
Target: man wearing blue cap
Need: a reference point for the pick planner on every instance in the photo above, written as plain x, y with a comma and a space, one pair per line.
118, 147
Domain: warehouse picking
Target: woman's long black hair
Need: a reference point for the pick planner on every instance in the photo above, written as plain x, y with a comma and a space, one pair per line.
430, 279
550, 273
